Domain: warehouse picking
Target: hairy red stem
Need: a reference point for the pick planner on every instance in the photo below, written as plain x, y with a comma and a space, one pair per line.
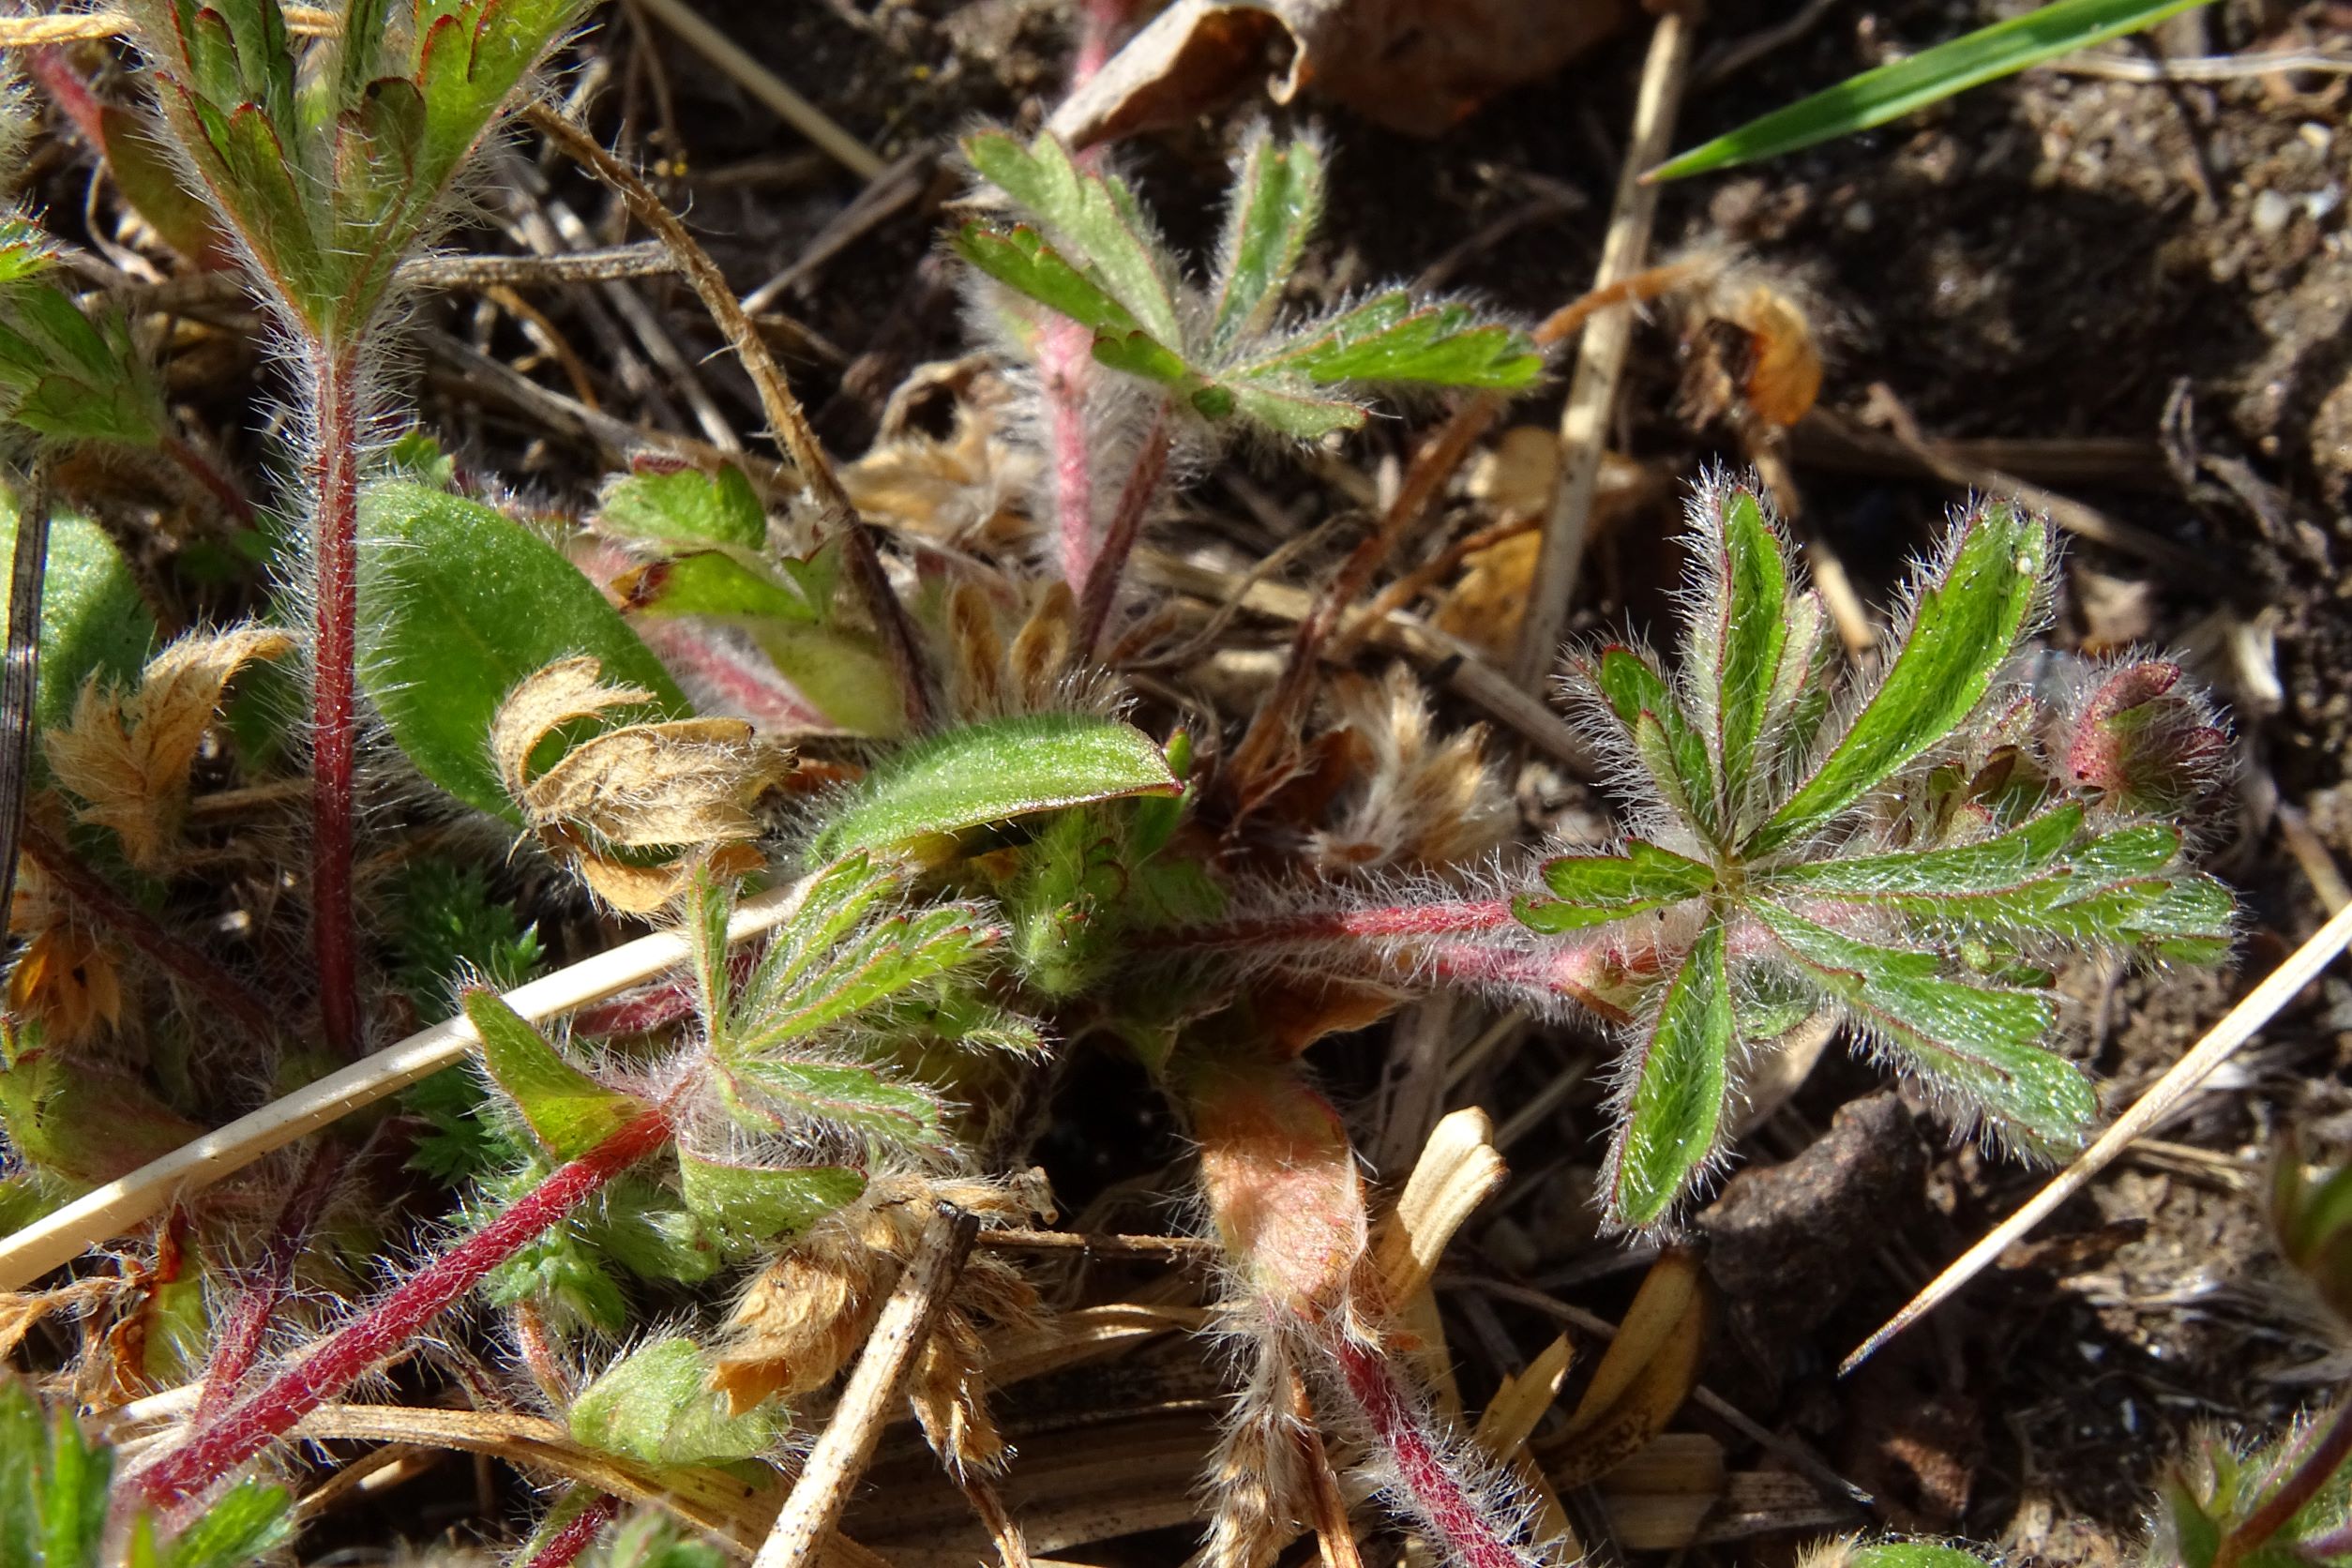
249, 1315
182, 960
1425, 1476
574, 1536
1065, 364
352, 1352
334, 710
1452, 918
1101, 577
2313, 1471
68, 91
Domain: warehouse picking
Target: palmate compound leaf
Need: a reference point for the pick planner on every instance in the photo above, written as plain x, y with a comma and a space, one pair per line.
568, 1110
1981, 1044
1673, 1110
1972, 614
995, 772
1596, 889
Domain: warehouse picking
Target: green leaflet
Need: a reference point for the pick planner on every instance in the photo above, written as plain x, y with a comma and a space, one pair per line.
568, 1111
848, 1094
1302, 418
994, 772
457, 605
894, 957
1739, 638
1996, 866
685, 505
1594, 890
1630, 683
711, 582
1394, 338
749, 1206
1875, 96
1025, 262
1981, 1043
93, 620
1277, 202
1970, 620
657, 1406
242, 1526
1912, 1554
1672, 1119
1094, 215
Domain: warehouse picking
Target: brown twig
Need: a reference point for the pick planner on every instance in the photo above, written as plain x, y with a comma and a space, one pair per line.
1584, 424
1173, 1249
840, 1456
777, 400
19, 678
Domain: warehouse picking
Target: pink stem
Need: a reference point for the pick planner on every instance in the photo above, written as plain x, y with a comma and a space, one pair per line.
1065, 364
352, 1352
1457, 918
1433, 1490
574, 1536
335, 470
1103, 575
68, 91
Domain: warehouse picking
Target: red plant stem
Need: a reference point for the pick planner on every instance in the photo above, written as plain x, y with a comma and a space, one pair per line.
1064, 365
1143, 485
243, 1430
574, 1536
2313, 1471
1394, 920
334, 713
68, 91
178, 958
1423, 1472
249, 1315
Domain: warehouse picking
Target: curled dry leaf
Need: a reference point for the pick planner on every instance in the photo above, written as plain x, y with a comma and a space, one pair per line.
1417, 65
127, 755
804, 1317
1004, 658
689, 784
965, 489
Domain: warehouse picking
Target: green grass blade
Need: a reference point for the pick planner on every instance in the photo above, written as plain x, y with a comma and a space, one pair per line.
1893, 91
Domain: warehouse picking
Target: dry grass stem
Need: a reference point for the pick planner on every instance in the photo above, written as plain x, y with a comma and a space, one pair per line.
841, 1455
762, 83
2180, 1081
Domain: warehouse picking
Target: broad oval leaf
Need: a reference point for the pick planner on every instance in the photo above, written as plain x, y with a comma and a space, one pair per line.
568, 1111
93, 620
457, 604
1673, 1116
1971, 618
995, 772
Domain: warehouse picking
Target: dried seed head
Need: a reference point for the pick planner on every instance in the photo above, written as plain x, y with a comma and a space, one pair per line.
127, 755
689, 783
965, 490
1413, 798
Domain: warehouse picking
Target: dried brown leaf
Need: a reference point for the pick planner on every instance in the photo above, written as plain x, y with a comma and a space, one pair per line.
127, 755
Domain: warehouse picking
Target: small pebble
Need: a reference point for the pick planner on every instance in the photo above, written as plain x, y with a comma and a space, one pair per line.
2319, 203
1859, 217
2270, 212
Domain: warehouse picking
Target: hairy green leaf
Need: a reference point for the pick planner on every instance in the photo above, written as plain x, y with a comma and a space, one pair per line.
749, 1206
1982, 1044
1890, 91
1094, 216
685, 505
568, 1110
994, 772
1673, 1118
457, 605
1302, 418
94, 623
1025, 262
1912, 1554
656, 1405
1971, 618
713, 582
1595, 889
1392, 338
1276, 201
243, 1525
787, 1091
1675, 752
1739, 633
893, 957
